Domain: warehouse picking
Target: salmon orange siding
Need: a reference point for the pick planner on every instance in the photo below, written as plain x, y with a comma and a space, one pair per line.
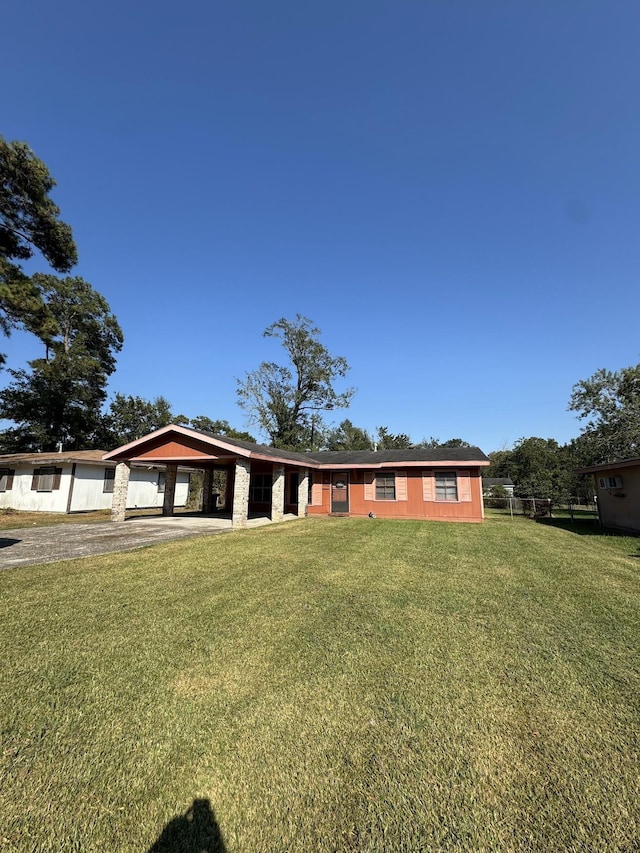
415, 496
421, 483
176, 450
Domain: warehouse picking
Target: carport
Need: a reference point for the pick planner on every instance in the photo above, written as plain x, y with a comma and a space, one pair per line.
264, 479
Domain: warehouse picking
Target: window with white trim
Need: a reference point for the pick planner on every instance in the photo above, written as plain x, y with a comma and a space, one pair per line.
610, 482
6, 479
386, 486
446, 486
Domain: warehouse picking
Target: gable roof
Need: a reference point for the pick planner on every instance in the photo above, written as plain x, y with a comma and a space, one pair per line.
201, 441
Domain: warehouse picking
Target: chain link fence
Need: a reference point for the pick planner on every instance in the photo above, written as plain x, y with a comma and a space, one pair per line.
538, 507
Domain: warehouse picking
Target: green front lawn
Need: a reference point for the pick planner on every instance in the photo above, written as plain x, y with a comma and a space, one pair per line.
347, 685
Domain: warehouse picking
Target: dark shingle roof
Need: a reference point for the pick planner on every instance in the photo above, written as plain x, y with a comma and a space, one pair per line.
260, 449
54, 457
357, 457
412, 454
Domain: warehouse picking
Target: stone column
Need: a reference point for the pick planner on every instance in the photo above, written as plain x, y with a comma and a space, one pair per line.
120, 489
303, 492
277, 493
240, 511
169, 489
207, 486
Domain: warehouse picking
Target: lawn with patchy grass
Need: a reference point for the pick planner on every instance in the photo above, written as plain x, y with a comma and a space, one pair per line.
347, 685
13, 519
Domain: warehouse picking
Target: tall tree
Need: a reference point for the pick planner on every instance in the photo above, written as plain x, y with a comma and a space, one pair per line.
282, 399
450, 442
219, 427
502, 464
609, 403
390, 441
129, 417
454, 442
539, 467
59, 399
29, 223
346, 436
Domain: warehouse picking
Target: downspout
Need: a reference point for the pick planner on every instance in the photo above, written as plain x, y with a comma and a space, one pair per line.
73, 479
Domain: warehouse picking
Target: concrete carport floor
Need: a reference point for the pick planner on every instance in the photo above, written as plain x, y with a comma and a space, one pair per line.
26, 546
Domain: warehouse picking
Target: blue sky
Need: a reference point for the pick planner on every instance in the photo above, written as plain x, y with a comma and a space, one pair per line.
449, 190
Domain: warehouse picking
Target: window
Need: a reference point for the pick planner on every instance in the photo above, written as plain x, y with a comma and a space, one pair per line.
260, 488
446, 486
610, 482
45, 480
386, 487
109, 478
6, 479
162, 479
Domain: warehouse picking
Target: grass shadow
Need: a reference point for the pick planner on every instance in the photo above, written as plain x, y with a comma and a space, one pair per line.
195, 831
585, 527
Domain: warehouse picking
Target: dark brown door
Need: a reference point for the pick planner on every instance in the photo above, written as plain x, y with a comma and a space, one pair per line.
340, 492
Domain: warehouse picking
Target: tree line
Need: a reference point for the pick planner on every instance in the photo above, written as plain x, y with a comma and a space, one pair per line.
60, 398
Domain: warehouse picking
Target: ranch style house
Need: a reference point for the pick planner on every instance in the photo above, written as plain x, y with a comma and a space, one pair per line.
442, 484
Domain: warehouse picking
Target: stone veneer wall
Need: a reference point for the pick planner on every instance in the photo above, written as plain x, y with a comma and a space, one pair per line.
241, 493
277, 493
120, 489
170, 477
303, 492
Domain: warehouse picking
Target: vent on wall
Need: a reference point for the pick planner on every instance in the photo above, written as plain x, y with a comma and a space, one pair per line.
610, 482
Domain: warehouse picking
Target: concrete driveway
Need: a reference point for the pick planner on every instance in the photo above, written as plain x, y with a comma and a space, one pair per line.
30, 545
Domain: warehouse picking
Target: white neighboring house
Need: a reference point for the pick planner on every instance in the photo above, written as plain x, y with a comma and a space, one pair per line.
78, 481
489, 482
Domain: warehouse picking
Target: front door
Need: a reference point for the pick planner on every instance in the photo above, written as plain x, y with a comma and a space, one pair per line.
340, 492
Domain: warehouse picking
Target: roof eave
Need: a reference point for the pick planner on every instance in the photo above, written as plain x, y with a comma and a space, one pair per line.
608, 466
399, 463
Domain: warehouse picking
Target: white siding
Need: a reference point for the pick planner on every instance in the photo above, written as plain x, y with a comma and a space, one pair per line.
23, 497
88, 489
143, 489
